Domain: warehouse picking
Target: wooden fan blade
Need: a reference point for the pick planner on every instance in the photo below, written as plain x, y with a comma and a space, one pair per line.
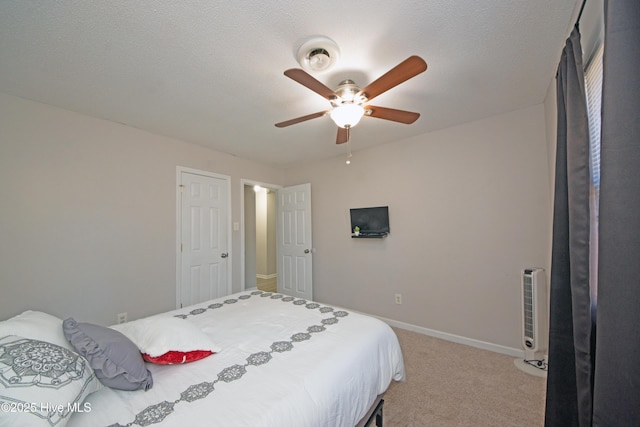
308, 81
406, 117
402, 72
343, 135
301, 119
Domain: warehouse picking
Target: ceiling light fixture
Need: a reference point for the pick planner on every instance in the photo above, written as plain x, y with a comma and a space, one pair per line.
318, 54
319, 59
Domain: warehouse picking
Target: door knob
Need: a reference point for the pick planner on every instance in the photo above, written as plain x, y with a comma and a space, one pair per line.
306, 251
224, 255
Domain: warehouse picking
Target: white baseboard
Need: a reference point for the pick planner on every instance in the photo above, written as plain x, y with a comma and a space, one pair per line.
454, 338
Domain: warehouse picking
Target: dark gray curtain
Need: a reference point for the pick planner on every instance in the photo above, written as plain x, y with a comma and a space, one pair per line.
569, 381
594, 377
617, 374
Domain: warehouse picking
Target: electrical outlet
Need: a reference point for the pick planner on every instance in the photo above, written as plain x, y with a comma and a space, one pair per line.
122, 317
398, 298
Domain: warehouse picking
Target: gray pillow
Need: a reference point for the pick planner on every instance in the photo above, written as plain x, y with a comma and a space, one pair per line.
115, 359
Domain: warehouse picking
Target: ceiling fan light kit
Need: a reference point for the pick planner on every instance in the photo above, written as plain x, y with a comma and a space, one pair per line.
318, 54
350, 103
347, 115
348, 107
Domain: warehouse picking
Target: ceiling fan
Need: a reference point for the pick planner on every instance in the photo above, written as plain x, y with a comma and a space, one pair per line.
349, 102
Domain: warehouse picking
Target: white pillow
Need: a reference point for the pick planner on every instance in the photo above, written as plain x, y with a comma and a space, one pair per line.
41, 383
36, 325
156, 336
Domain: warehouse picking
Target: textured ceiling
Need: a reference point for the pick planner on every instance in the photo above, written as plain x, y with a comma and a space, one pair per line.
211, 72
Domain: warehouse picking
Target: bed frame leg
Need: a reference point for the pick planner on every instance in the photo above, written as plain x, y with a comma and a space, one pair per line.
379, 414
376, 415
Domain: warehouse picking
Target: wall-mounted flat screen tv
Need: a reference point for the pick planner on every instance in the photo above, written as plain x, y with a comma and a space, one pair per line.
372, 221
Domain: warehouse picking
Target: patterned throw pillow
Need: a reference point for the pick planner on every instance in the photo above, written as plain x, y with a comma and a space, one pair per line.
36, 325
42, 384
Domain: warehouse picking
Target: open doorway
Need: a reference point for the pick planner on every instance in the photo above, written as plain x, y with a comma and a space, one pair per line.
259, 237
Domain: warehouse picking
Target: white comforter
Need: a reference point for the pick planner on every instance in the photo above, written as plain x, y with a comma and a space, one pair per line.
284, 362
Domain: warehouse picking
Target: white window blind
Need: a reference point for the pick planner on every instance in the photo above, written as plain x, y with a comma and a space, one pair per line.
593, 84
593, 87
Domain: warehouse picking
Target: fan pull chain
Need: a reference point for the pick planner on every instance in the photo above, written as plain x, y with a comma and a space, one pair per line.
348, 147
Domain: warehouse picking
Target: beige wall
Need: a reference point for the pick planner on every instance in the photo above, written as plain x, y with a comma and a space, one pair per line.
88, 213
469, 208
261, 232
265, 233
88, 219
250, 237
272, 262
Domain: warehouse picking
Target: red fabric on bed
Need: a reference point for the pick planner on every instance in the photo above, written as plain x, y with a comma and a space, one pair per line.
177, 357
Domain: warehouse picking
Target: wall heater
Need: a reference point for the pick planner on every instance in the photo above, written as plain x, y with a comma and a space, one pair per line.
534, 315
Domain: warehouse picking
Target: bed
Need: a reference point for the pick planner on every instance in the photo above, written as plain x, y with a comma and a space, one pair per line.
278, 361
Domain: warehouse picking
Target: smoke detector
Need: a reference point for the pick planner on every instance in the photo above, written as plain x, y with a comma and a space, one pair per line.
318, 54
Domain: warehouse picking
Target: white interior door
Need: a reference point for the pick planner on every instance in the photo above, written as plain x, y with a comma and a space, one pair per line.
294, 252
204, 230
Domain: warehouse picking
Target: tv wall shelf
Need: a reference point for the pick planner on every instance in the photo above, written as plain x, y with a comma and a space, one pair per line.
369, 236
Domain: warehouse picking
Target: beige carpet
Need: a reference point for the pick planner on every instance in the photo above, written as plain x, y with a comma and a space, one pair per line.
451, 384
